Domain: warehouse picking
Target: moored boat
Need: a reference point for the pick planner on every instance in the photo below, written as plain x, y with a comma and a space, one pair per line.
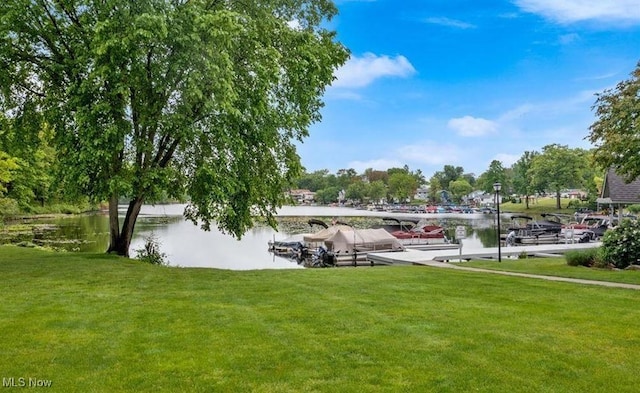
526, 230
422, 232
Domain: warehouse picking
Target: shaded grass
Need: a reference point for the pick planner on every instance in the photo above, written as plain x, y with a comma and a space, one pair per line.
540, 205
558, 267
101, 323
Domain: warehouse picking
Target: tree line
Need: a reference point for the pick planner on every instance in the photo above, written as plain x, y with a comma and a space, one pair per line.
553, 169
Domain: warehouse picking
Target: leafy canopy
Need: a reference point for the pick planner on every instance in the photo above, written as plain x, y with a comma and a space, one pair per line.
203, 98
616, 132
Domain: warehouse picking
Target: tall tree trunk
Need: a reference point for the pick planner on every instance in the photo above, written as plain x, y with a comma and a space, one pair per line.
526, 201
558, 200
121, 242
114, 223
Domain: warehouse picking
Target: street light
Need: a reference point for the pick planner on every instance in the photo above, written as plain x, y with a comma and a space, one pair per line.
497, 187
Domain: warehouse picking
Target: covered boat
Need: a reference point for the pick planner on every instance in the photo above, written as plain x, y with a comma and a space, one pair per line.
361, 241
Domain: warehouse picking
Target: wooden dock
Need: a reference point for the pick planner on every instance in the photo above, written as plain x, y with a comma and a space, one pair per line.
426, 257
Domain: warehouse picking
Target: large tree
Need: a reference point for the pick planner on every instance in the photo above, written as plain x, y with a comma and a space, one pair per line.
557, 168
447, 175
402, 186
523, 177
203, 98
616, 132
459, 189
495, 174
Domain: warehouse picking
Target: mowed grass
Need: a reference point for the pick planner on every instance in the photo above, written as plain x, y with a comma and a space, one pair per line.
538, 206
97, 323
558, 267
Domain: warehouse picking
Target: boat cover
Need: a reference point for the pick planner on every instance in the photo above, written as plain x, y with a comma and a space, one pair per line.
363, 240
325, 233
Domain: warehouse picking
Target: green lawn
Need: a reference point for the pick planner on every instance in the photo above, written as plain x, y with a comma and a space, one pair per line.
95, 323
538, 206
558, 267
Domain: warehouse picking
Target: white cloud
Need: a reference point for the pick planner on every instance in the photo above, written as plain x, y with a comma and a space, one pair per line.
449, 23
362, 71
472, 126
570, 11
430, 153
507, 159
380, 164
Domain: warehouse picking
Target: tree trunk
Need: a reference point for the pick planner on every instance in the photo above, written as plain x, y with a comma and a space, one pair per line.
526, 202
114, 223
121, 239
558, 200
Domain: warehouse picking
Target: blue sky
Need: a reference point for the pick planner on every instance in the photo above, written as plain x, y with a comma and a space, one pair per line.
464, 82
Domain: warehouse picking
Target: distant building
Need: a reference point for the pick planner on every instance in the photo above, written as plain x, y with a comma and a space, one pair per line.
573, 194
422, 193
302, 195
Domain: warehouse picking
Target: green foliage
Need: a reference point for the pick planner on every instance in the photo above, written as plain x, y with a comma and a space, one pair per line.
576, 204
448, 174
357, 191
327, 195
558, 168
495, 174
151, 253
459, 188
8, 207
621, 245
149, 99
8, 166
522, 176
587, 257
616, 130
635, 209
402, 186
377, 190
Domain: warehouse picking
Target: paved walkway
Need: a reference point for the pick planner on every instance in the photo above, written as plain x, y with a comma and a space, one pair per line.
436, 258
456, 266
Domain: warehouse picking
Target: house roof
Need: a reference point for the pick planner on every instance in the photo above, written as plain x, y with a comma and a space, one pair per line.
616, 190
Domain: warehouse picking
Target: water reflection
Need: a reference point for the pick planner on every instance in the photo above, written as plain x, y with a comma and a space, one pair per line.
187, 245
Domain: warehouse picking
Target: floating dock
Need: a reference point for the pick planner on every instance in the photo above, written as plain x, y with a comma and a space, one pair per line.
426, 257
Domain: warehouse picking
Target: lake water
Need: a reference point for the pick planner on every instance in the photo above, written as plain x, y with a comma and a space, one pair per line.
186, 245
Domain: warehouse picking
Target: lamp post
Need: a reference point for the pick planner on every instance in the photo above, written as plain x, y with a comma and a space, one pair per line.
497, 187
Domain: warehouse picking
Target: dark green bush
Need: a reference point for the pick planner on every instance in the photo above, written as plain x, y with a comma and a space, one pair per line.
621, 245
587, 257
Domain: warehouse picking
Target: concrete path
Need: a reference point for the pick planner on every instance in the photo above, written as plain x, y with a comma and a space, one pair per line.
457, 266
435, 258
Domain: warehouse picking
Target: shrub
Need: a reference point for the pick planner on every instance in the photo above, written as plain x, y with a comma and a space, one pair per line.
574, 204
151, 252
621, 245
8, 207
635, 209
587, 257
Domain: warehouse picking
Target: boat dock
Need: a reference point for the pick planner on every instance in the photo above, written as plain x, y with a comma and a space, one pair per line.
426, 257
